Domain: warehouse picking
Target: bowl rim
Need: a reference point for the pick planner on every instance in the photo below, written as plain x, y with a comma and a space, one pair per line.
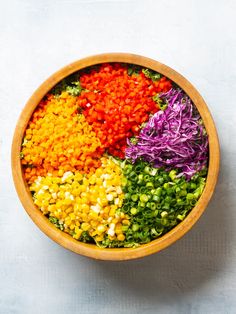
91, 250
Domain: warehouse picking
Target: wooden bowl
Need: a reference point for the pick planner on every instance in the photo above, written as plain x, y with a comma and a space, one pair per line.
91, 250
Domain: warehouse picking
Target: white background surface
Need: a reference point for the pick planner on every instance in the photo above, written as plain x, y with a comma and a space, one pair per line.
198, 273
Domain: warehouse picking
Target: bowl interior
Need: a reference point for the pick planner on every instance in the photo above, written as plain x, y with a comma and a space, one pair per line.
91, 250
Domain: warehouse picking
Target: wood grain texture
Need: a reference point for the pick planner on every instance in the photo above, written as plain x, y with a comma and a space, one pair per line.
91, 250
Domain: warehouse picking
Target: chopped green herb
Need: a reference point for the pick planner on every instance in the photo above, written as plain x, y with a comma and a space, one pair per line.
159, 200
56, 222
154, 76
70, 84
133, 69
74, 89
160, 102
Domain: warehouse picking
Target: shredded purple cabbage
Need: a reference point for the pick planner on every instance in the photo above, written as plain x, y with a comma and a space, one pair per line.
174, 138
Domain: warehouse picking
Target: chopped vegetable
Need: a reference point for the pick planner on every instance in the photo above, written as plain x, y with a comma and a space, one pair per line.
151, 74
59, 140
156, 200
84, 206
174, 138
116, 103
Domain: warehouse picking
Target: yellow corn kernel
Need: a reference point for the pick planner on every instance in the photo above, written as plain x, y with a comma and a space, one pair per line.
112, 212
122, 215
84, 200
54, 188
40, 197
85, 208
78, 176
121, 237
68, 209
60, 172
118, 225
92, 179
63, 215
99, 238
99, 172
76, 192
84, 217
78, 232
51, 208
85, 226
76, 207
85, 182
102, 201
56, 214
93, 233
93, 223
61, 194
67, 201
72, 226
116, 181
126, 222
106, 209
99, 181
83, 188
37, 202
68, 220
101, 229
115, 220
72, 216
93, 215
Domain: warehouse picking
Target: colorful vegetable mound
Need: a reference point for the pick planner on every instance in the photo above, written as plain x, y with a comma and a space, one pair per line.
115, 155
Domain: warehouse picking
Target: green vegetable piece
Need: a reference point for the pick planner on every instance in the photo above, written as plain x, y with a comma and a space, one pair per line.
140, 179
160, 102
166, 186
183, 193
152, 206
156, 198
127, 169
164, 221
135, 227
155, 213
144, 198
133, 69
158, 191
164, 214
154, 76
166, 206
134, 197
149, 185
190, 196
172, 174
123, 182
127, 196
154, 233
147, 170
177, 189
141, 204
146, 178
180, 217
153, 171
133, 211
75, 89
134, 140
